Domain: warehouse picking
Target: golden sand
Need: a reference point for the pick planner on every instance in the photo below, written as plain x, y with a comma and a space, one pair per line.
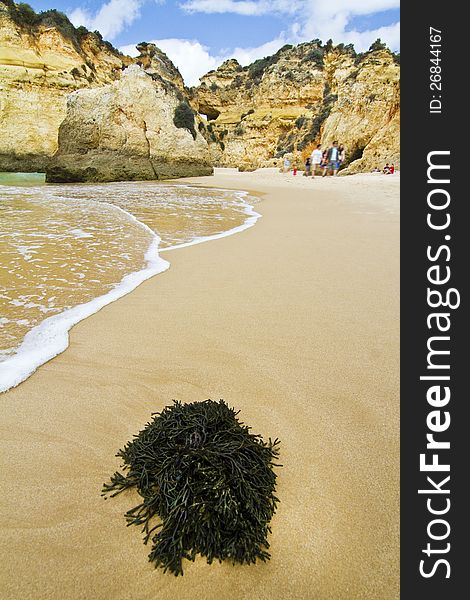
295, 322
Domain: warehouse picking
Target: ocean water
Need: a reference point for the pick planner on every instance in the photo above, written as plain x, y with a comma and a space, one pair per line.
68, 250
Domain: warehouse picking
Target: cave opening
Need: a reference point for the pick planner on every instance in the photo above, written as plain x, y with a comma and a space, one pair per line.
209, 112
355, 154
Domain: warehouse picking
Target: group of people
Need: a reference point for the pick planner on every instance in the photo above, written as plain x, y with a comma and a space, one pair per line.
387, 170
321, 161
325, 162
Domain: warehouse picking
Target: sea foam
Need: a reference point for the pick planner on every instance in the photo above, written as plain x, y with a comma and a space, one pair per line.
253, 216
51, 336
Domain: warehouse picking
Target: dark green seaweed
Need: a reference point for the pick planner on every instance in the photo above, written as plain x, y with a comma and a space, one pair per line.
206, 479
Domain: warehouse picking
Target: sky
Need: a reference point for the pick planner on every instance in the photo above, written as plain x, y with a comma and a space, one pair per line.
198, 35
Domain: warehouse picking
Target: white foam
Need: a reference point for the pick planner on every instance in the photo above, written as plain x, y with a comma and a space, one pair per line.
51, 336
26, 251
79, 233
249, 222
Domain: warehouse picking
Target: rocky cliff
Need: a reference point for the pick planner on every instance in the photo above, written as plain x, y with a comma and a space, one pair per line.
302, 95
42, 59
140, 127
280, 105
156, 62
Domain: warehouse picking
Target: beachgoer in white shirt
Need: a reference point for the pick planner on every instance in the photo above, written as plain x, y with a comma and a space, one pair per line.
315, 159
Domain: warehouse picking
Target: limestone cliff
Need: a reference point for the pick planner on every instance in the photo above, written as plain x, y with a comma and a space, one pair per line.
42, 59
366, 115
156, 62
282, 104
304, 94
139, 127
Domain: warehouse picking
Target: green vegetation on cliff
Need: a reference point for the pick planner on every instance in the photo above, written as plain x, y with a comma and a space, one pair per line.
184, 118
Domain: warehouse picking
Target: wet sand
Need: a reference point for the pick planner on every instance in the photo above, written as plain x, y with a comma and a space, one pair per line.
295, 321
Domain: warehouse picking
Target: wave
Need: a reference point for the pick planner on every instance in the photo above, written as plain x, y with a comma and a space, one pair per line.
51, 336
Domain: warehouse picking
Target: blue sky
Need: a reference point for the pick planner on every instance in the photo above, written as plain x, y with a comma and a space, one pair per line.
199, 34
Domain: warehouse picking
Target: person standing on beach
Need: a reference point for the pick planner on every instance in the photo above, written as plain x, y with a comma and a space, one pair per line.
332, 159
308, 164
324, 162
342, 155
286, 165
316, 159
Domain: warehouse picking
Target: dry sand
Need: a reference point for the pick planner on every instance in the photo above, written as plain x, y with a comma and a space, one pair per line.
295, 322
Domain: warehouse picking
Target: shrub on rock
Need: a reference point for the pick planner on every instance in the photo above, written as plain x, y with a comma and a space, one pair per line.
184, 118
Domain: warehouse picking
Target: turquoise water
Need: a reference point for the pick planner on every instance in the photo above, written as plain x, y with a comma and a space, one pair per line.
25, 179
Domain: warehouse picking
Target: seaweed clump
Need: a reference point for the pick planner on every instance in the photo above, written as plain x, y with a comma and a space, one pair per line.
209, 480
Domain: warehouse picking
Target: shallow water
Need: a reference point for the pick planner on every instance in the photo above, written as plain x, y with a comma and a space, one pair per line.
62, 246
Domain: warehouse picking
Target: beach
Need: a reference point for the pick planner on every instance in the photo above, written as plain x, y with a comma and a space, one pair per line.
294, 322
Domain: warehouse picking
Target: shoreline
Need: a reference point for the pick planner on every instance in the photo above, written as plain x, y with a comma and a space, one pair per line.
295, 323
50, 338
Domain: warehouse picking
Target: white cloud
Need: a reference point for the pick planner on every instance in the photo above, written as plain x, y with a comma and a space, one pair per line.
305, 20
246, 56
242, 7
355, 7
331, 20
194, 60
263, 7
321, 19
363, 39
190, 56
110, 19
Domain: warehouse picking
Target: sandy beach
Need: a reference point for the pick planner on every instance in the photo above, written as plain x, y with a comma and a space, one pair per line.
295, 322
